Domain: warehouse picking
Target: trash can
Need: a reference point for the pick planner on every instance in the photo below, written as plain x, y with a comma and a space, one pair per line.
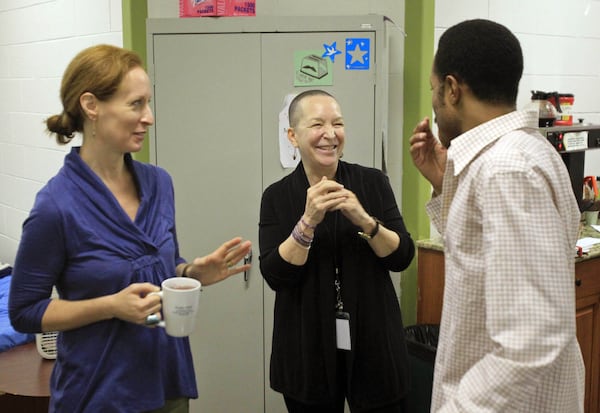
421, 342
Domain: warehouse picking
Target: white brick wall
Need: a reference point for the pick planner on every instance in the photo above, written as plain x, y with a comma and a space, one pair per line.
561, 46
560, 43
37, 40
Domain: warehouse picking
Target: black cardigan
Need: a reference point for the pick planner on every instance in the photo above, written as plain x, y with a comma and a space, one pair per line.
304, 345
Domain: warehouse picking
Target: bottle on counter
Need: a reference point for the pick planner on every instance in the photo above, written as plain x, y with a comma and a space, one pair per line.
545, 109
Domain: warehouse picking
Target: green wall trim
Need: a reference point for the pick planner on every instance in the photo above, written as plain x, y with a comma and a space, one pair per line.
135, 13
418, 56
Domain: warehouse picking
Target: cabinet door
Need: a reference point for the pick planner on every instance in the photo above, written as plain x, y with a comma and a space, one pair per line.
354, 90
587, 274
207, 135
588, 318
431, 269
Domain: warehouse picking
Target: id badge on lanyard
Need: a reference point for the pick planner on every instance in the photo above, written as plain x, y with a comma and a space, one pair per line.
342, 320
342, 330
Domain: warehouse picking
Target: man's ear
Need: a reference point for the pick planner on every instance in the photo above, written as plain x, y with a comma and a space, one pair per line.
453, 89
89, 105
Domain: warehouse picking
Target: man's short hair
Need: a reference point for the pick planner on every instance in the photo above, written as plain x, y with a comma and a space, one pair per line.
483, 54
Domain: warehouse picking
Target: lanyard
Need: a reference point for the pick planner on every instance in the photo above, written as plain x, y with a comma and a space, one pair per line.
339, 304
337, 283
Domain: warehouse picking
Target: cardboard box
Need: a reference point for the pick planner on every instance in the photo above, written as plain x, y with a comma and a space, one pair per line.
202, 8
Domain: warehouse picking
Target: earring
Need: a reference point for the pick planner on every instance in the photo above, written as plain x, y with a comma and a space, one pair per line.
295, 155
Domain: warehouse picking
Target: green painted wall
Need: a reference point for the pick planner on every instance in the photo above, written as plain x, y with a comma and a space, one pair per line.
416, 191
135, 13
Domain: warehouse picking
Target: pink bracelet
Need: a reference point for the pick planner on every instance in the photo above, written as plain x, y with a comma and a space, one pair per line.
301, 238
306, 224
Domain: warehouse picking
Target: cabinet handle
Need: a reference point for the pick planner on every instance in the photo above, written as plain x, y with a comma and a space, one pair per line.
578, 282
247, 260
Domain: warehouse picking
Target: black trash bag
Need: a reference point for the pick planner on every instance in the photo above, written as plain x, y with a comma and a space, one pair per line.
422, 340
421, 343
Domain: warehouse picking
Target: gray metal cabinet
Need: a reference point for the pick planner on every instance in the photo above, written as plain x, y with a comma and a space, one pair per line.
219, 86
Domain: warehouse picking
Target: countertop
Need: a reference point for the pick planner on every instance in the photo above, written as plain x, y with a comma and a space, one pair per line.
437, 244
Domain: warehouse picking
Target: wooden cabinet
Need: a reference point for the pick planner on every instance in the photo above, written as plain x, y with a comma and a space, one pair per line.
430, 285
587, 281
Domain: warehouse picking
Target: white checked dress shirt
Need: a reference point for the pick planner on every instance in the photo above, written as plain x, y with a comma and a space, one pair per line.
510, 222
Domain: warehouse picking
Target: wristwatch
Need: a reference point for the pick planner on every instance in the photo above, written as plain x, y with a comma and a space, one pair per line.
366, 236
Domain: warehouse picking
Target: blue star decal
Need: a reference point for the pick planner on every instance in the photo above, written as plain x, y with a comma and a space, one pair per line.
358, 53
330, 51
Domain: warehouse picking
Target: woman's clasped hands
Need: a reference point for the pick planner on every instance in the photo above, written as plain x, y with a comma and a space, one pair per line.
328, 195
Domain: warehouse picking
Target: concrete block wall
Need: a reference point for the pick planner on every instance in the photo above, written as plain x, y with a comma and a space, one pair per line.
37, 40
560, 41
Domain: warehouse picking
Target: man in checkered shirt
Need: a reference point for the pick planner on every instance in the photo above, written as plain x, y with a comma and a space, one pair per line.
503, 202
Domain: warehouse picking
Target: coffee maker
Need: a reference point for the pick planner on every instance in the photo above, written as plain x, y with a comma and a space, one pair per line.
572, 142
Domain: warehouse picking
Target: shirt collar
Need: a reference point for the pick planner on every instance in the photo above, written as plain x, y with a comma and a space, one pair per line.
464, 148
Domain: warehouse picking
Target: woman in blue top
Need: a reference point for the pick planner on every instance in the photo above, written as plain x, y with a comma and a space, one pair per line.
103, 232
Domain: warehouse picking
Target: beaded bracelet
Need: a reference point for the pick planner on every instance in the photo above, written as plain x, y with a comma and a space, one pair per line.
301, 238
306, 247
306, 224
302, 235
299, 235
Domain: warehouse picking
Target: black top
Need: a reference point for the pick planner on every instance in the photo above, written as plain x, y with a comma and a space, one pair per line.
304, 344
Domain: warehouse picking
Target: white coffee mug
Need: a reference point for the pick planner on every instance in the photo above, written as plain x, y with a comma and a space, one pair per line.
180, 297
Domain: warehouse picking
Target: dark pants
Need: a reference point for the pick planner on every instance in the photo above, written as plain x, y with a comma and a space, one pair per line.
337, 405
294, 406
180, 405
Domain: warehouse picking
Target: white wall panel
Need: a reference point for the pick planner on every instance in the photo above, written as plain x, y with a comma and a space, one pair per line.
4, 61
14, 159
116, 19
28, 129
11, 96
21, 193
40, 95
3, 229
48, 163
91, 16
4, 131
37, 40
450, 12
19, 4
14, 222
